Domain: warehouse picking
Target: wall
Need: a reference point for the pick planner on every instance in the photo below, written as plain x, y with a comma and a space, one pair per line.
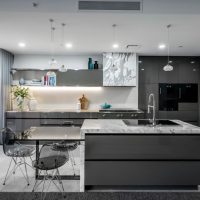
67, 97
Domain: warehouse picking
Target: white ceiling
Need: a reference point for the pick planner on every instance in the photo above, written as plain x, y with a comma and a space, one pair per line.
91, 32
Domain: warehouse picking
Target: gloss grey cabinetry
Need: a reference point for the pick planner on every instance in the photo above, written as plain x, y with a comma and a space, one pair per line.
19, 121
141, 160
151, 73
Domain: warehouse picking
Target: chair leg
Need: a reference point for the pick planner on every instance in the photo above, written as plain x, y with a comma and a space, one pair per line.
72, 154
43, 187
59, 179
71, 161
18, 164
5, 179
27, 178
36, 181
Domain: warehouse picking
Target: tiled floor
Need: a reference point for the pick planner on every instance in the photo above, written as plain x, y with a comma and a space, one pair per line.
17, 183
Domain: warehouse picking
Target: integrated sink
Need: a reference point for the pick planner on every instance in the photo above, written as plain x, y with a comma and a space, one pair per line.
147, 122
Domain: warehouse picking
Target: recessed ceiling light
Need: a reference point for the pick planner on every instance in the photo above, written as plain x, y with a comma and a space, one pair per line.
115, 46
192, 62
21, 44
162, 46
68, 45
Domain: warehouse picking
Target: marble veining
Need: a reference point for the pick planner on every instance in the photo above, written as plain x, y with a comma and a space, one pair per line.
119, 69
118, 126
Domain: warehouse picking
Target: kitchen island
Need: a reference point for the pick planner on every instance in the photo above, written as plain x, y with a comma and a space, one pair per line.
117, 155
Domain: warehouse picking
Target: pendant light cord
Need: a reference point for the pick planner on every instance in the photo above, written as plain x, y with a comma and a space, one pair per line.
114, 32
168, 38
63, 34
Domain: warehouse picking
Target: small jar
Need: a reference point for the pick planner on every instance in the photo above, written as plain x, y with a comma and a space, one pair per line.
32, 104
78, 106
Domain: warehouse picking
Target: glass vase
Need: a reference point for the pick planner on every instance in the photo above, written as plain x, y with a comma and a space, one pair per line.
20, 103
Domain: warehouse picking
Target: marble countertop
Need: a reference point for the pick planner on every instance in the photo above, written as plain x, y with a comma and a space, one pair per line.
74, 111
118, 126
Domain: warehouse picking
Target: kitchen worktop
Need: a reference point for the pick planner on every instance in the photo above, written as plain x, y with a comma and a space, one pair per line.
112, 147
81, 111
118, 126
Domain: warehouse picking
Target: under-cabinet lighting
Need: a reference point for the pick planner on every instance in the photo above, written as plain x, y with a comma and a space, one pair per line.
64, 88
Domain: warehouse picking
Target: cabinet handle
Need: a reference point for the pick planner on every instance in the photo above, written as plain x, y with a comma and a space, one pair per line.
179, 93
160, 90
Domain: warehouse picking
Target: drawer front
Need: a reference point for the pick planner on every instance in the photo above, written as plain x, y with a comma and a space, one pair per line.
54, 115
61, 122
136, 147
19, 115
120, 115
142, 173
83, 115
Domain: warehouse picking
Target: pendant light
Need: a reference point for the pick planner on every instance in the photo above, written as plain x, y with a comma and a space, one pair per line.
53, 61
168, 67
115, 43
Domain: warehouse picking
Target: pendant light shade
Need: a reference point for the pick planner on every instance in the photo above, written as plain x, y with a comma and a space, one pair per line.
168, 67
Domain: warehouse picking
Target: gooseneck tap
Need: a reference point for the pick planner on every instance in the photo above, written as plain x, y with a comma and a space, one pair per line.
152, 105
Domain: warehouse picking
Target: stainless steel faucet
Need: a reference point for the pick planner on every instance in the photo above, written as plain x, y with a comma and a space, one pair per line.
153, 106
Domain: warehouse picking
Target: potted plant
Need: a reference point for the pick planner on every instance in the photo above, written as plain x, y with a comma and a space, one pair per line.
20, 94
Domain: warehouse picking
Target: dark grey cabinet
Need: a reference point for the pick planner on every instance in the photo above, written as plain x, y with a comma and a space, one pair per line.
186, 71
141, 160
80, 78
148, 70
141, 173
189, 72
20, 121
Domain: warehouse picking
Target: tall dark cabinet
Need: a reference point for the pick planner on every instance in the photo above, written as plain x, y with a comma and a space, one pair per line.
176, 92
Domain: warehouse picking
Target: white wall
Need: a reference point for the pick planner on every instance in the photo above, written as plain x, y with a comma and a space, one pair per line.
42, 61
67, 97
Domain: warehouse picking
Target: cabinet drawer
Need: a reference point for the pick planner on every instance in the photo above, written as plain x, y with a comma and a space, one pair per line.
61, 122
142, 173
82, 115
137, 147
120, 115
20, 115
54, 115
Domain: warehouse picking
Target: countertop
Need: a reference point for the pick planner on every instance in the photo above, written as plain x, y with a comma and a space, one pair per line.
75, 111
117, 126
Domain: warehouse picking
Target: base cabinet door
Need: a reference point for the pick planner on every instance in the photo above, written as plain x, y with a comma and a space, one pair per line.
142, 173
